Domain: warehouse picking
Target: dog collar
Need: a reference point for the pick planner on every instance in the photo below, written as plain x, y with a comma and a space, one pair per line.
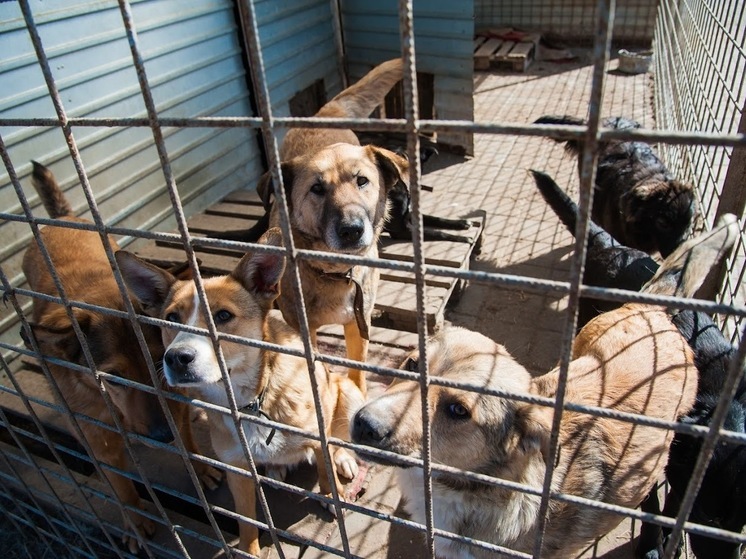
359, 303
254, 407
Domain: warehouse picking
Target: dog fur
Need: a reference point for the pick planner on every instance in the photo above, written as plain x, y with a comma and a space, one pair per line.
337, 193
83, 268
637, 199
607, 262
632, 359
720, 501
241, 304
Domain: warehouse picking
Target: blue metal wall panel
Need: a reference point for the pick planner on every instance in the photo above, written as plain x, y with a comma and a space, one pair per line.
444, 38
298, 47
193, 58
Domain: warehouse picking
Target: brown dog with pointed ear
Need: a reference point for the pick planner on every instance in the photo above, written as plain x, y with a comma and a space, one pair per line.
83, 268
274, 385
337, 193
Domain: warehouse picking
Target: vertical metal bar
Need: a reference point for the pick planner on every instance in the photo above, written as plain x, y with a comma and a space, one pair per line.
411, 111
601, 47
58, 285
100, 226
256, 63
160, 144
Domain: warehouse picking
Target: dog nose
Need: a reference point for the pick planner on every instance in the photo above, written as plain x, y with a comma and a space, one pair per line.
350, 230
179, 359
367, 429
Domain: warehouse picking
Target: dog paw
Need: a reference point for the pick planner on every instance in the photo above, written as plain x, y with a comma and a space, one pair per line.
278, 473
208, 476
345, 463
145, 527
330, 506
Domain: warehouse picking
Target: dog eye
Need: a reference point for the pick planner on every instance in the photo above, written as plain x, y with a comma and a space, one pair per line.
362, 181
317, 188
223, 316
411, 365
457, 411
173, 317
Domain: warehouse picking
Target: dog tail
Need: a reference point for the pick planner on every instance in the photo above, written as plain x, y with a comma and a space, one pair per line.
684, 271
573, 146
362, 98
50, 192
567, 210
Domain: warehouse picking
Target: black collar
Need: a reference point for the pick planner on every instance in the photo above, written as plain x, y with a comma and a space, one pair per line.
254, 407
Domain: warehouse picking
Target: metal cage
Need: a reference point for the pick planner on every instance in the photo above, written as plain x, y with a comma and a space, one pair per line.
696, 121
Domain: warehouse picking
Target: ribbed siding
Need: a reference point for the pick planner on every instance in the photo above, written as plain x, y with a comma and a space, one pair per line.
444, 36
193, 58
297, 39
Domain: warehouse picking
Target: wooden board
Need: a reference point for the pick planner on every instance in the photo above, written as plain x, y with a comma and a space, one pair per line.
396, 301
497, 54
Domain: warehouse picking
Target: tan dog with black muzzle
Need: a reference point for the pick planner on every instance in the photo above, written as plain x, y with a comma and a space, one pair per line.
337, 193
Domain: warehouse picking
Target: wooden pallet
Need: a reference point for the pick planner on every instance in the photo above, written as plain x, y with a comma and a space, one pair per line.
396, 300
492, 53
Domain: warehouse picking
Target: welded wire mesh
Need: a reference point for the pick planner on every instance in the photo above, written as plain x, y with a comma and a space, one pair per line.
699, 100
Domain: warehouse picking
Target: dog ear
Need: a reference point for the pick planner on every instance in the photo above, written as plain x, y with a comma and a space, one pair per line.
56, 337
265, 190
533, 433
147, 283
260, 272
393, 168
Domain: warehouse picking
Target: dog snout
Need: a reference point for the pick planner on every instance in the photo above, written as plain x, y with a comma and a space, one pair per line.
350, 230
178, 361
368, 429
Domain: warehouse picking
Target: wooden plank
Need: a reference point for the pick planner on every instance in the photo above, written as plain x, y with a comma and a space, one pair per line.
249, 197
396, 302
478, 42
503, 51
484, 53
242, 211
209, 224
521, 50
210, 264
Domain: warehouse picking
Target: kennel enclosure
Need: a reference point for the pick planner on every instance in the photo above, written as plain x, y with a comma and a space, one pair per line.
161, 110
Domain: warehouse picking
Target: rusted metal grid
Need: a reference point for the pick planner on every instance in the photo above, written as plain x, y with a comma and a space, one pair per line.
27, 504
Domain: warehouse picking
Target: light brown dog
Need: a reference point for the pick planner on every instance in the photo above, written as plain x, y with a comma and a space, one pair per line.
629, 360
337, 193
274, 385
83, 268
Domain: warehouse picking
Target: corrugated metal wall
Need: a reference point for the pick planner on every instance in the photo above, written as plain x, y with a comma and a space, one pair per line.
298, 47
444, 39
574, 20
193, 58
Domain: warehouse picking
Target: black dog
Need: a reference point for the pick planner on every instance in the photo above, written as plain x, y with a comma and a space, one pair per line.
398, 223
608, 263
721, 501
637, 199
